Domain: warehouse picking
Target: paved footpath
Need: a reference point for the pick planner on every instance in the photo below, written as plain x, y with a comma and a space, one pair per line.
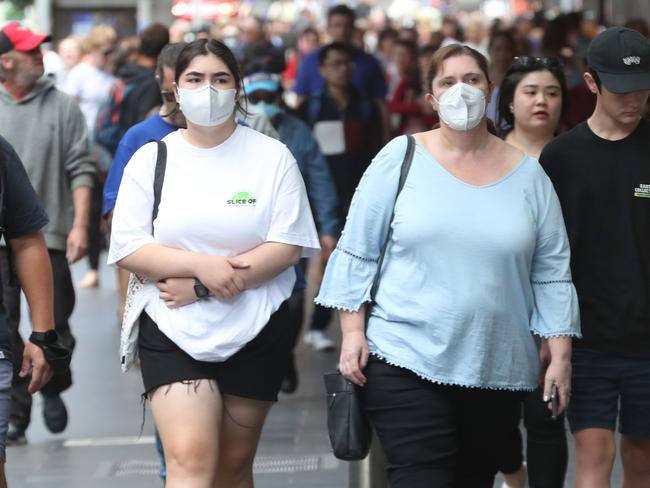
102, 447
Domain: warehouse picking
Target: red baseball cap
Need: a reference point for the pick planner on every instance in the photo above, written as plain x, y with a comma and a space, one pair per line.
14, 37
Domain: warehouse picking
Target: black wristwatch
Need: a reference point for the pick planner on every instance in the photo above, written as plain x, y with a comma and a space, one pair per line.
47, 337
200, 289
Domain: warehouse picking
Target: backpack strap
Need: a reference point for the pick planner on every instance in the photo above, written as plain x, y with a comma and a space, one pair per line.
159, 177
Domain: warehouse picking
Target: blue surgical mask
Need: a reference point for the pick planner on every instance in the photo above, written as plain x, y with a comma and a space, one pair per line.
269, 109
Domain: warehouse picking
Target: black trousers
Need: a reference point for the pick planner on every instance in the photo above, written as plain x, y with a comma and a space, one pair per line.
437, 435
96, 238
296, 314
321, 318
64, 301
547, 451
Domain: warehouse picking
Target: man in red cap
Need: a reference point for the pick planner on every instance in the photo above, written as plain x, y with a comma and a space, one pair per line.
48, 132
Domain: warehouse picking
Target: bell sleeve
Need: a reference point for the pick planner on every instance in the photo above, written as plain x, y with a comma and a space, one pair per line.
352, 266
556, 311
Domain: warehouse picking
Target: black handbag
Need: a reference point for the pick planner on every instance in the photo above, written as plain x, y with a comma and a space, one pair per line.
348, 427
56, 354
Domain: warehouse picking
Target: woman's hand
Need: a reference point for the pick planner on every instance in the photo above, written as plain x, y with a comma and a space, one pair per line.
354, 356
558, 373
219, 275
177, 292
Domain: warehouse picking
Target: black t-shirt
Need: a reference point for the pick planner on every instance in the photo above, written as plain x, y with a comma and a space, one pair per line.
23, 213
604, 189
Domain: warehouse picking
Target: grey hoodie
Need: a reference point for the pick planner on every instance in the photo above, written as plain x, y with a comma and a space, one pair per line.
48, 131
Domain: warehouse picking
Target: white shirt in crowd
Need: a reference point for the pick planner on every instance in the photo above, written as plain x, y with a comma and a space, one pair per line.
220, 201
90, 86
54, 66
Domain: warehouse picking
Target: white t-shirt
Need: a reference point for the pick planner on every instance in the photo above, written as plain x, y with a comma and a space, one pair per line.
90, 86
221, 201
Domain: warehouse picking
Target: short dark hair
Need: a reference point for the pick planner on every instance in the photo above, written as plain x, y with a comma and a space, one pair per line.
205, 47
596, 78
342, 9
334, 46
168, 57
511, 80
153, 39
387, 33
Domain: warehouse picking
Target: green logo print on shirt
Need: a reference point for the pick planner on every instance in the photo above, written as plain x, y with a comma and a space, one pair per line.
643, 191
242, 198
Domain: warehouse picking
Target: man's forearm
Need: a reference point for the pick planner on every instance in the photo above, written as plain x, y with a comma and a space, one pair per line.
81, 198
34, 270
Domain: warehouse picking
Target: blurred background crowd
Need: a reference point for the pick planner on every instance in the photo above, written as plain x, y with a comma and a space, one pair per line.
389, 44
400, 34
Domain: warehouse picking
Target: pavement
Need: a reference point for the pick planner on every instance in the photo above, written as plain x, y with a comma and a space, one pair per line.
103, 445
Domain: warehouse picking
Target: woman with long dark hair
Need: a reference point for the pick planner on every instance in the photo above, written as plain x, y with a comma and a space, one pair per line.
233, 219
533, 98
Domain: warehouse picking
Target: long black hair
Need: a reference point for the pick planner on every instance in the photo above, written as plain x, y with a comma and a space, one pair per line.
514, 75
203, 47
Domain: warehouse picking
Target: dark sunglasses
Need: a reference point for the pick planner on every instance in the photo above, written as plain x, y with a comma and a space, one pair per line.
261, 96
532, 61
168, 96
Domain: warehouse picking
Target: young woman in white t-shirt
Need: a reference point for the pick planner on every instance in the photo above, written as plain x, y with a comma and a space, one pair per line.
233, 216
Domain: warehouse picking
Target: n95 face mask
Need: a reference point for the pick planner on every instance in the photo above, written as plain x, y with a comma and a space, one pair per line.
462, 106
207, 106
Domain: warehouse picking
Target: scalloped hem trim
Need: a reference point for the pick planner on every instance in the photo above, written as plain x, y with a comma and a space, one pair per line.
575, 335
344, 308
438, 381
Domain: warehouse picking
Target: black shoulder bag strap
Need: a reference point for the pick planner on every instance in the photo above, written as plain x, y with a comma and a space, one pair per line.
406, 166
158, 178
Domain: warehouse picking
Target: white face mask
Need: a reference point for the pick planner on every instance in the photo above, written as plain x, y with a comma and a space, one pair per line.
461, 107
207, 106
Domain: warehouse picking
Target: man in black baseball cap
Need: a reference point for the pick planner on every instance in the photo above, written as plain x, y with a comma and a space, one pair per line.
621, 58
601, 173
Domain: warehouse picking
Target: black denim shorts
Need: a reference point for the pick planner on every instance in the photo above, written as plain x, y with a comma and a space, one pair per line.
254, 372
607, 388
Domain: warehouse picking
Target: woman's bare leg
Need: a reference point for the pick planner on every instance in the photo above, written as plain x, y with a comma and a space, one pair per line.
188, 418
241, 427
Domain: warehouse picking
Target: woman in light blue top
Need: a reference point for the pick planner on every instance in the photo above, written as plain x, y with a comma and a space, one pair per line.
478, 262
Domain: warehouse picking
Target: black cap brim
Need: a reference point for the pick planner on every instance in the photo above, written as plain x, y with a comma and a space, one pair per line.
5, 44
618, 83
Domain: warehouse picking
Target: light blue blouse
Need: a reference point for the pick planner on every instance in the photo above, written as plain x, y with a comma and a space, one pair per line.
471, 273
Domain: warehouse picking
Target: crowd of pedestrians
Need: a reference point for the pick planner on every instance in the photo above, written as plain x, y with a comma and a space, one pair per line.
222, 170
